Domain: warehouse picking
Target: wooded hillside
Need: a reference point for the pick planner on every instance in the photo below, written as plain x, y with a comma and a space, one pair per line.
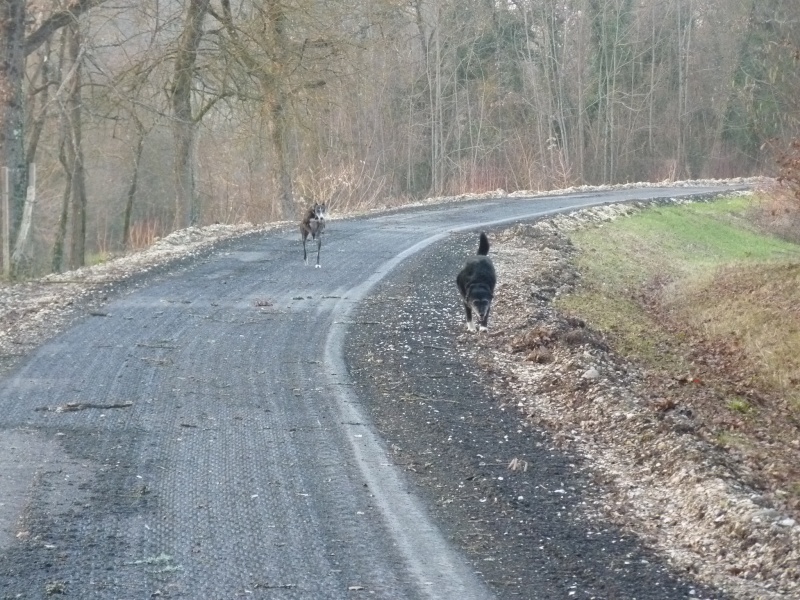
147, 116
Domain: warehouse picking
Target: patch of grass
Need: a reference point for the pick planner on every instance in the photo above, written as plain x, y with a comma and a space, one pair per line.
740, 405
703, 265
679, 240
634, 332
96, 258
702, 290
726, 439
756, 305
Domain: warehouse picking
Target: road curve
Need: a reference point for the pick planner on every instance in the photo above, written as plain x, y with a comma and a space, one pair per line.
215, 446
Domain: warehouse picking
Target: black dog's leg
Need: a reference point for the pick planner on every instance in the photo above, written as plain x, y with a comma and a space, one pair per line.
468, 310
319, 247
485, 320
305, 255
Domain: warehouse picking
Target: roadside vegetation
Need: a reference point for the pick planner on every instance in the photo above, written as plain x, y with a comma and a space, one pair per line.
706, 297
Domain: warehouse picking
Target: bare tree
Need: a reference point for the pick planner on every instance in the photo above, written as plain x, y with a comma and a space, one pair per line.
287, 55
12, 103
185, 121
74, 200
74, 146
15, 46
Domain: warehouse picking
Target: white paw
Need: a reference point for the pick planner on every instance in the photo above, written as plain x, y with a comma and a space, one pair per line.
482, 329
471, 326
317, 266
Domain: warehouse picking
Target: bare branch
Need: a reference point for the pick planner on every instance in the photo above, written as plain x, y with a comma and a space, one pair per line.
56, 21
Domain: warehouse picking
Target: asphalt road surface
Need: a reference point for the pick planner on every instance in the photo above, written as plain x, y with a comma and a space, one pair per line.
220, 441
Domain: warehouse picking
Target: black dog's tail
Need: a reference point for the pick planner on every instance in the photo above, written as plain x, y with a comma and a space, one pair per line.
483, 245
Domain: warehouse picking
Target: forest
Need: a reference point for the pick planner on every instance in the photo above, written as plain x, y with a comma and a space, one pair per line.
122, 121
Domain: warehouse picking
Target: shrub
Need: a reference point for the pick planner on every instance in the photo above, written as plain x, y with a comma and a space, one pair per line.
789, 162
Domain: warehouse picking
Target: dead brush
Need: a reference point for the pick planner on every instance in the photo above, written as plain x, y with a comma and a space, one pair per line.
533, 339
539, 356
789, 162
144, 234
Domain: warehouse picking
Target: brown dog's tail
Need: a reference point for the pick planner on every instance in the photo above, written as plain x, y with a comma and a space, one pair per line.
483, 245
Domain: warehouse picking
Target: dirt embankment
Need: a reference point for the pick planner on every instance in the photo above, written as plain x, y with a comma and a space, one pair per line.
661, 476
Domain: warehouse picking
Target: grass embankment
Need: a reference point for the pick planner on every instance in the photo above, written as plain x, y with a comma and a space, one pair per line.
711, 306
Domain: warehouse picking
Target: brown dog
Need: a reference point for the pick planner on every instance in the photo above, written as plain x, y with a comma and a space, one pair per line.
313, 224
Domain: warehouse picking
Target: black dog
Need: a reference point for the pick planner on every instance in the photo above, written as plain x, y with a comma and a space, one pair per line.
476, 285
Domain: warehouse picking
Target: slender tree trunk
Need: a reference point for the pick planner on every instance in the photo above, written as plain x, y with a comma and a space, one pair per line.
74, 147
44, 77
283, 172
652, 99
679, 150
278, 104
687, 118
21, 257
436, 116
612, 107
557, 128
532, 60
581, 141
12, 105
131, 195
431, 89
184, 123
61, 229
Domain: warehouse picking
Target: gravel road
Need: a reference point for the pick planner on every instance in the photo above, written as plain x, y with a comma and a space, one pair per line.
221, 431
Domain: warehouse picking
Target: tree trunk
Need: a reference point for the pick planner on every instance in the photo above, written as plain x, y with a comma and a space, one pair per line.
21, 258
283, 172
131, 196
12, 105
38, 122
280, 127
74, 148
61, 231
184, 124
430, 128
